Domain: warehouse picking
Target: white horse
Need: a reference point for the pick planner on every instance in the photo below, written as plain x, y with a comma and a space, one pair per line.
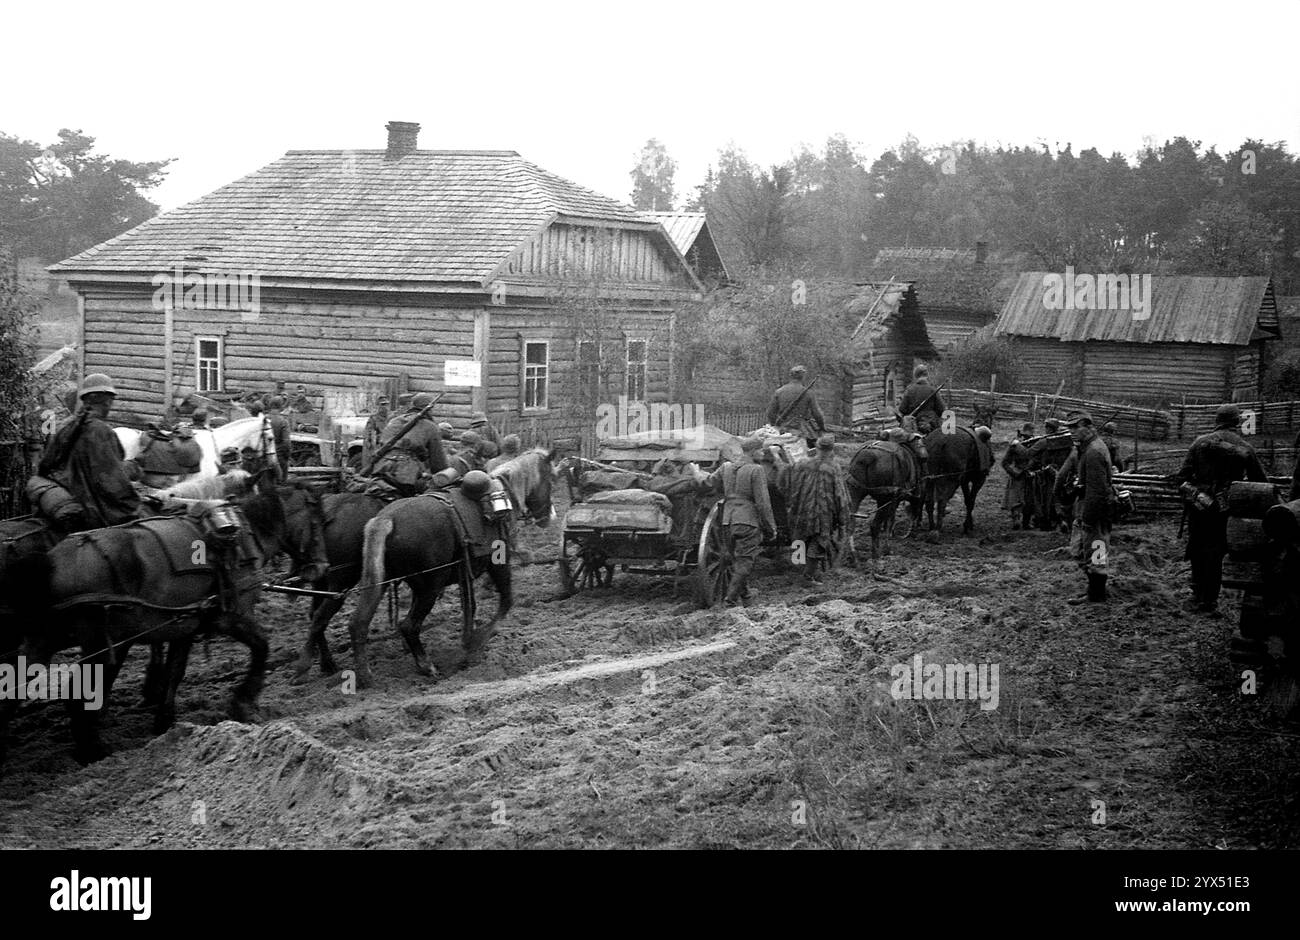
254, 433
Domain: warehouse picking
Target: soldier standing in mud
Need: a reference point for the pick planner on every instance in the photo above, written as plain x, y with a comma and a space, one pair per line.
1016, 464
1094, 508
1213, 463
820, 508
922, 402
794, 408
746, 515
1046, 455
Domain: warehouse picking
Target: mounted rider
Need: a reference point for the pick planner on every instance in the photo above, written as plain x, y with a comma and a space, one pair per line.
85, 457
794, 408
922, 402
1213, 463
419, 450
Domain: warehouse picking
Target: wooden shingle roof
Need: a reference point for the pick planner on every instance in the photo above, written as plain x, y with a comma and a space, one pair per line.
433, 217
1183, 309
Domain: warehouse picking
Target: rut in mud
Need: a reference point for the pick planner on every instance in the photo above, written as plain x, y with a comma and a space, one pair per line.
624, 717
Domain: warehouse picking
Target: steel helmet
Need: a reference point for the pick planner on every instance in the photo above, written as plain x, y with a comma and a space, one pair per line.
476, 484
421, 401
96, 382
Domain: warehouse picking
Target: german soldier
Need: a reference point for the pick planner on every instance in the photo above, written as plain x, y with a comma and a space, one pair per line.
375, 425
794, 408
280, 432
1108, 432
1214, 462
1016, 464
478, 423
1095, 507
419, 450
85, 457
1046, 455
820, 508
922, 401
746, 514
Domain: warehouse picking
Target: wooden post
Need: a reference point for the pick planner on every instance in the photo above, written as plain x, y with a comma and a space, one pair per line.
81, 336
482, 345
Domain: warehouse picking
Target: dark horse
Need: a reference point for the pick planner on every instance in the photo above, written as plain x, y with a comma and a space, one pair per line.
150, 582
416, 540
890, 473
954, 461
346, 515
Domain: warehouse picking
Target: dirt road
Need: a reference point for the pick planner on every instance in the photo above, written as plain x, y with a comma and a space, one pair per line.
625, 718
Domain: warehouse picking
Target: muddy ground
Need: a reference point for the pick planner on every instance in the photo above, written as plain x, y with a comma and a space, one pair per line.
626, 718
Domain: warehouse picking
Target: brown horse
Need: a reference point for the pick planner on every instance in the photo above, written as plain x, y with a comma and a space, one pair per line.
954, 461
890, 473
158, 581
416, 540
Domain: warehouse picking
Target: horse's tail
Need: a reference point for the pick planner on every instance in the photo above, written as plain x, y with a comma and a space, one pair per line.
371, 586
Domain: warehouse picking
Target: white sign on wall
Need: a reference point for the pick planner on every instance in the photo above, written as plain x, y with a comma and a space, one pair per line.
463, 372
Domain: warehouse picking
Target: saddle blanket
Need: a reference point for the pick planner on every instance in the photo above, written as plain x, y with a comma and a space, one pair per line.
477, 530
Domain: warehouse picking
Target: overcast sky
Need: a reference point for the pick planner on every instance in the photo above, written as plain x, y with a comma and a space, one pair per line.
579, 87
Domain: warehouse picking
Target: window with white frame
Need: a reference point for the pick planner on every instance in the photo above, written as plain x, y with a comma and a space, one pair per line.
636, 369
208, 363
536, 368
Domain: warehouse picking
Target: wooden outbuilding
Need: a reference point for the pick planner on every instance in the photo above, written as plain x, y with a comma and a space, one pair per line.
889, 337
341, 269
1201, 338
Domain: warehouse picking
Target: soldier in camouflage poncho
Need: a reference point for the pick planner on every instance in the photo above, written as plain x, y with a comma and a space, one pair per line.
819, 508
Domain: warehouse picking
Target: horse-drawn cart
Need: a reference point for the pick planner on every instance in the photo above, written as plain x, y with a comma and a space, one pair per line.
639, 508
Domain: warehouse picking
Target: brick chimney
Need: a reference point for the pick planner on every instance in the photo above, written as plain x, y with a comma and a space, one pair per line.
981, 250
401, 139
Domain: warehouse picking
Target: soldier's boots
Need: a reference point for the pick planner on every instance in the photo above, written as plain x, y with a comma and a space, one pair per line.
1095, 594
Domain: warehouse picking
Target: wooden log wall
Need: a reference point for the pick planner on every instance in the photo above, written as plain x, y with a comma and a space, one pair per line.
323, 343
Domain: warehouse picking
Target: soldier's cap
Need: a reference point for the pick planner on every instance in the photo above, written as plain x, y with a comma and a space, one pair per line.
421, 401
826, 442
470, 438
96, 382
750, 444
1227, 416
1051, 424
1109, 427
382, 400
1077, 418
477, 417
798, 370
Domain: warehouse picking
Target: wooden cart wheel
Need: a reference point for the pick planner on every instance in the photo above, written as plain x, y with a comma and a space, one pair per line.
713, 562
582, 567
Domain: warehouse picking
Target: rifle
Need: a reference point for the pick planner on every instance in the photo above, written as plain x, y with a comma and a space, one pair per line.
927, 399
785, 414
375, 458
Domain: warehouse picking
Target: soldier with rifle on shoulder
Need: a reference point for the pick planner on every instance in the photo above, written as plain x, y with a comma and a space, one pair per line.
794, 408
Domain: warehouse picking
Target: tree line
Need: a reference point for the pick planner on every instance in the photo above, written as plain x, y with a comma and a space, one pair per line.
1172, 208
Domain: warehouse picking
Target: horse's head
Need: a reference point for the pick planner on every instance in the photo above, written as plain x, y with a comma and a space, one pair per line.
291, 517
529, 479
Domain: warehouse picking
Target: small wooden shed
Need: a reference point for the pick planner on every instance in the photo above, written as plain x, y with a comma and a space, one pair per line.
1202, 338
889, 337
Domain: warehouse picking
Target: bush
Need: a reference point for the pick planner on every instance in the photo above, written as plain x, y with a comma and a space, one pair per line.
970, 363
1282, 378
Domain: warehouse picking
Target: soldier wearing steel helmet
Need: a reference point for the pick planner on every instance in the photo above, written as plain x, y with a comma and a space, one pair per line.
418, 451
1213, 463
922, 402
85, 457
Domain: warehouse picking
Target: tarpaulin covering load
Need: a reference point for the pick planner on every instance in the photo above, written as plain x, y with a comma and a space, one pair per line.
703, 443
623, 509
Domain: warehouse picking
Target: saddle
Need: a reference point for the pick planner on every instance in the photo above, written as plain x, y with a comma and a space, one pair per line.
167, 454
475, 530
981, 436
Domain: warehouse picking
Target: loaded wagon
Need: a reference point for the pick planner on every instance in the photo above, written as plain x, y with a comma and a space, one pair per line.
641, 508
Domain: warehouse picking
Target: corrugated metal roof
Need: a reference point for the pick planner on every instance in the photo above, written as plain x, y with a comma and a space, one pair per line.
1182, 309
433, 216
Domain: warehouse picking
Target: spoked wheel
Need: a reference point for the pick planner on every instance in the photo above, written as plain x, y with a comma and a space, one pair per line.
713, 568
582, 567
